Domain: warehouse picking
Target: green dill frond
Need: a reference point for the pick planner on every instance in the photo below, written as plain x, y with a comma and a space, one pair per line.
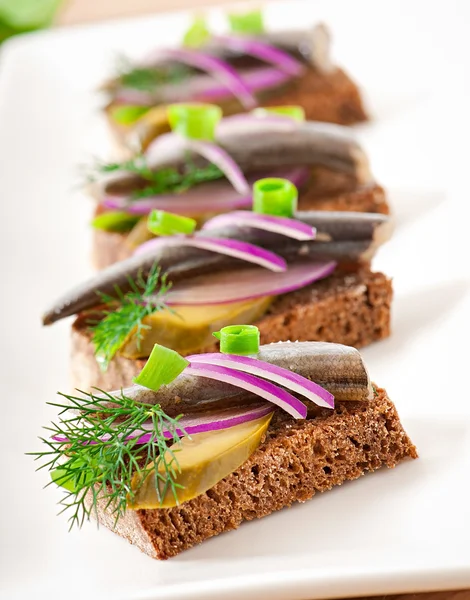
148, 78
144, 79
125, 313
89, 453
162, 181
172, 181
136, 165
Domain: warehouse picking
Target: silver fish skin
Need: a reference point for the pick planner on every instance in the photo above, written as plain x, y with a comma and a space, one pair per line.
349, 237
339, 369
331, 226
312, 46
306, 144
179, 261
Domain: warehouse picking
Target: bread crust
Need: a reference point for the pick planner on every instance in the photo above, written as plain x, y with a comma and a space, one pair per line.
346, 308
296, 460
330, 96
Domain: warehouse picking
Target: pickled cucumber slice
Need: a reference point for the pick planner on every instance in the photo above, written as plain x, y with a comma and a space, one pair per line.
203, 460
152, 124
190, 328
139, 234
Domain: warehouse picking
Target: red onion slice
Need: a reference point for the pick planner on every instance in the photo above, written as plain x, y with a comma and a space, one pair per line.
270, 392
213, 197
179, 204
173, 144
282, 225
220, 158
285, 377
202, 87
217, 67
263, 51
216, 420
200, 423
255, 79
245, 284
235, 248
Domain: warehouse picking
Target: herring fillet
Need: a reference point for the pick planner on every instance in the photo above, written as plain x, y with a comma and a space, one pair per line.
350, 237
339, 369
268, 147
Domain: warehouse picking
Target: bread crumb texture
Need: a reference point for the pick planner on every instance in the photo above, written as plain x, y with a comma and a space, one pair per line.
296, 460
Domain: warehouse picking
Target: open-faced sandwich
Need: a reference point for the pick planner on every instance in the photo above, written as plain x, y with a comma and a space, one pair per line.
197, 446
207, 166
238, 71
296, 275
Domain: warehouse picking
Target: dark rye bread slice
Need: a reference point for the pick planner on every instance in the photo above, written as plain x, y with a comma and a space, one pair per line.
346, 308
325, 96
326, 190
331, 96
296, 460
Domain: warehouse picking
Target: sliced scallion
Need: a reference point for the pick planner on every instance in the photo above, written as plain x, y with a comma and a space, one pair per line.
195, 121
275, 196
161, 222
249, 23
115, 220
198, 34
163, 366
297, 113
238, 339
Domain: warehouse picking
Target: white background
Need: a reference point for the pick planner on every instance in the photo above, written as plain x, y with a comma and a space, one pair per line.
398, 530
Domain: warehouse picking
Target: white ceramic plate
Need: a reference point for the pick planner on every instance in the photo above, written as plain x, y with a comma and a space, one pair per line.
401, 530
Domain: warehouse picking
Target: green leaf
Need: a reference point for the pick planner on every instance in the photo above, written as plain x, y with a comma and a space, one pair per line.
6, 31
28, 14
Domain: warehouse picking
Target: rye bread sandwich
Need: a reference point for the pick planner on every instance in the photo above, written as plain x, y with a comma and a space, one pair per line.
197, 446
238, 72
302, 278
207, 166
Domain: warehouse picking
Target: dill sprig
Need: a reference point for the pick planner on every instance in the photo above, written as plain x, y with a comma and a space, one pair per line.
95, 460
147, 79
160, 181
124, 314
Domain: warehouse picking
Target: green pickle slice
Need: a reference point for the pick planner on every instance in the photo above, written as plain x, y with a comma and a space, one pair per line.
203, 459
150, 125
189, 328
